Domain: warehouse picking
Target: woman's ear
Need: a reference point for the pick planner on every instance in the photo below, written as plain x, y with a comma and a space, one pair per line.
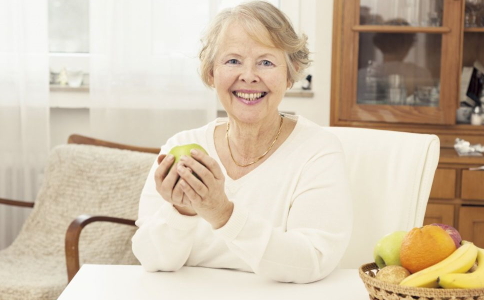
211, 79
289, 84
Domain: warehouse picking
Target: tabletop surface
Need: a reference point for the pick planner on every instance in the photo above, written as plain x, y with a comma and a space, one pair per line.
133, 282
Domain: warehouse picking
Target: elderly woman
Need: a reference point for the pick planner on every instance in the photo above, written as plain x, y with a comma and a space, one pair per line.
271, 196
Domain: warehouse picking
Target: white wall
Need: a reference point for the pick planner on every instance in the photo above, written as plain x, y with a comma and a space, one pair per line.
315, 18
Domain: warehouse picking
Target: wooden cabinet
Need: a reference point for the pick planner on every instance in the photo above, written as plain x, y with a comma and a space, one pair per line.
472, 185
439, 213
471, 224
381, 70
457, 196
397, 65
444, 185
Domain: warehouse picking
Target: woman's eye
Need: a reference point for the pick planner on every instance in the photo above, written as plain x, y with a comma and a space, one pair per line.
232, 61
266, 63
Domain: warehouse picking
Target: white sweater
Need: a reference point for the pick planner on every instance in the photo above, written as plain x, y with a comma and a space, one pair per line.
292, 215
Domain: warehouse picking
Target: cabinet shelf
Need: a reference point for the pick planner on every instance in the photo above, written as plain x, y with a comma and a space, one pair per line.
400, 29
474, 29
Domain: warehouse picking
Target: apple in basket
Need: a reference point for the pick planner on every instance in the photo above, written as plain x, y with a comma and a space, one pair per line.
387, 250
454, 234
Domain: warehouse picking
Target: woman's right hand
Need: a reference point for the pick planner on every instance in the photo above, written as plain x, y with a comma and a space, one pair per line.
168, 185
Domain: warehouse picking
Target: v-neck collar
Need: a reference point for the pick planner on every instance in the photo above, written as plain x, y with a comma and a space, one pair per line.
230, 182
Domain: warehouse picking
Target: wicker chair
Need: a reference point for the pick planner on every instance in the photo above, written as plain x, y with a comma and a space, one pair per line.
86, 181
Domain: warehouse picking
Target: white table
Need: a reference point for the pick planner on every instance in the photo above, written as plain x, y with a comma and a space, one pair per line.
133, 282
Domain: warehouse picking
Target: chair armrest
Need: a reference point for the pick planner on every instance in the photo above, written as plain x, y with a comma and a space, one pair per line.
16, 202
72, 239
84, 140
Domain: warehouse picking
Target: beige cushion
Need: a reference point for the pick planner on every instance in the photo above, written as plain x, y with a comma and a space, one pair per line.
79, 179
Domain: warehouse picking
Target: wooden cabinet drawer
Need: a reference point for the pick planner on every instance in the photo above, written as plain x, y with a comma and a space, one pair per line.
471, 224
439, 213
447, 139
443, 186
472, 185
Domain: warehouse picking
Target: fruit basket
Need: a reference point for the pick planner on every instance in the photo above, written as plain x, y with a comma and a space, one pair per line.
380, 290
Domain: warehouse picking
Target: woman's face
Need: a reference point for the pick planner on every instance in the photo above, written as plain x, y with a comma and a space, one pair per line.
250, 78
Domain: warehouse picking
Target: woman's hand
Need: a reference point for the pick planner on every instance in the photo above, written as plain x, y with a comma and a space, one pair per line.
207, 194
168, 185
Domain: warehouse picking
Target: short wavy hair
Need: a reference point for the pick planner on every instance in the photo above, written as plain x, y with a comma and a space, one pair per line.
258, 18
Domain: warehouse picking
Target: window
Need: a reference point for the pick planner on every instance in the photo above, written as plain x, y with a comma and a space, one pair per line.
69, 42
69, 26
69, 38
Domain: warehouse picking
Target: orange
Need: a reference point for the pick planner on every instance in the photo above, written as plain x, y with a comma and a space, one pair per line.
425, 246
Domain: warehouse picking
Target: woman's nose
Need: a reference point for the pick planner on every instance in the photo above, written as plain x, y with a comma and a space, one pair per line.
249, 74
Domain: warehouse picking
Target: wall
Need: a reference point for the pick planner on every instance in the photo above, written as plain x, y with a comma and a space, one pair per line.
309, 16
316, 20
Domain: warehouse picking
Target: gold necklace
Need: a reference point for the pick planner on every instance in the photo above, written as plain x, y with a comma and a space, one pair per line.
258, 158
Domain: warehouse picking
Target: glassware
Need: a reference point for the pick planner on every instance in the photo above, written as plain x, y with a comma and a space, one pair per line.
472, 9
411, 59
397, 93
423, 94
74, 78
476, 117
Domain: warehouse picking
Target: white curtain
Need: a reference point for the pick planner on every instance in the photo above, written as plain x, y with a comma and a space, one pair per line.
24, 107
144, 80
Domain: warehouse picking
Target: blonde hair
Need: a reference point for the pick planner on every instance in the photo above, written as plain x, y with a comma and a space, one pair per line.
258, 19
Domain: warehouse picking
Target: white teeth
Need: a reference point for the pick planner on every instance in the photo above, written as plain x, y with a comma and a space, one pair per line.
247, 96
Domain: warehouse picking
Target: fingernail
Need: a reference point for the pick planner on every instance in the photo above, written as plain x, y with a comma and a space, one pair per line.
194, 152
170, 157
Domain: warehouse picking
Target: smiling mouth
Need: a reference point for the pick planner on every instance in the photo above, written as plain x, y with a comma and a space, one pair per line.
249, 96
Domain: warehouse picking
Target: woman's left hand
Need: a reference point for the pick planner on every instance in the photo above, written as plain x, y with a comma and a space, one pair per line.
207, 194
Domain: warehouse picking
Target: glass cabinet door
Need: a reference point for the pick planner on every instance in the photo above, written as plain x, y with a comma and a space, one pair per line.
401, 60
416, 13
399, 69
473, 54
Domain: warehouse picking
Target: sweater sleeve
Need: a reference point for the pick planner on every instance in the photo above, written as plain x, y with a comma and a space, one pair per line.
317, 230
164, 238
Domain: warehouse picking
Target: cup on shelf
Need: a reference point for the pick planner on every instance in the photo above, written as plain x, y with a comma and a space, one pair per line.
434, 19
85, 79
423, 94
54, 77
74, 77
397, 92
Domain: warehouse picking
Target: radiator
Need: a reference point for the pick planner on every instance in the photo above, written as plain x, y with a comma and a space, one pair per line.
16, 183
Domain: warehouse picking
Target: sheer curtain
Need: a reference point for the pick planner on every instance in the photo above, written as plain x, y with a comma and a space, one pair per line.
24, 107
144, 80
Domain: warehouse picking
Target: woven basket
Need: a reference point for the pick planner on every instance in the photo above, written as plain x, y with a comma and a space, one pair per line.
380, 290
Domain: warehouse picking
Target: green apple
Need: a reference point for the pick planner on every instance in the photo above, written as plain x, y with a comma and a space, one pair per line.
387, 250
179, 151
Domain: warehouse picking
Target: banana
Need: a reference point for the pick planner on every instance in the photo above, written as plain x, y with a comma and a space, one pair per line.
460, 261
472, 280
